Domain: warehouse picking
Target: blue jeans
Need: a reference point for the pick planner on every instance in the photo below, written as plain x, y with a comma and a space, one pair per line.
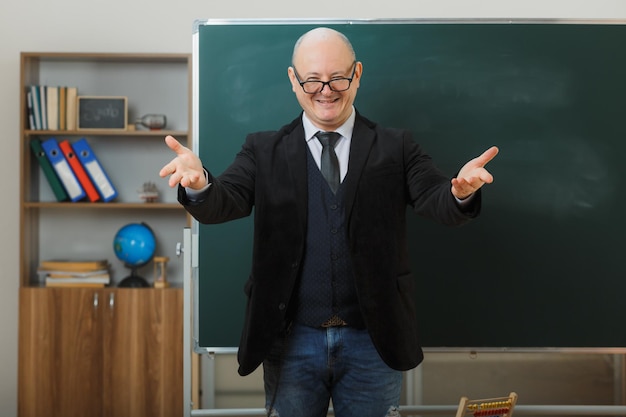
312, 366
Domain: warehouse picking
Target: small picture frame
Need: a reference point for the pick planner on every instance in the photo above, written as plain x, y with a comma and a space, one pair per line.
102, 112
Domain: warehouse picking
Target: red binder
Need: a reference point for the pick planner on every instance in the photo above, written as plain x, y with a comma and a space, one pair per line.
79, 171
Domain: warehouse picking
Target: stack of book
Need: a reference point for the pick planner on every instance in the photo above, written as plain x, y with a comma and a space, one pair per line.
52, 107
62, 273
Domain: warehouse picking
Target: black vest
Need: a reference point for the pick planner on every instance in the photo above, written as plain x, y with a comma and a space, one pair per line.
327, 281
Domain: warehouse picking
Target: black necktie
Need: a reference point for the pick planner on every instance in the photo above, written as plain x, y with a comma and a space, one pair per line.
330, 164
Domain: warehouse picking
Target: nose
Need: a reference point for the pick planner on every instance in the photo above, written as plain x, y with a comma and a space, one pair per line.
324, 87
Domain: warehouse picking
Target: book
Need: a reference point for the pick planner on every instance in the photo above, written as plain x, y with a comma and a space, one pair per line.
75, 284
70, 108
77, 281
62, 108
34, 91
62, 168
99, 274
79, 171
52, 107
31, 118
74, 265
48, 171
96, 171
43, 106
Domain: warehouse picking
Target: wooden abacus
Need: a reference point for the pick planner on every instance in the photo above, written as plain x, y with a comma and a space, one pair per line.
489, 407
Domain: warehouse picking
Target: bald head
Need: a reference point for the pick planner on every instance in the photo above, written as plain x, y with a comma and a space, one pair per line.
319, 36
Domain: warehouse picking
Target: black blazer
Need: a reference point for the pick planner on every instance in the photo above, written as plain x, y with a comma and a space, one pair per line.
387, 172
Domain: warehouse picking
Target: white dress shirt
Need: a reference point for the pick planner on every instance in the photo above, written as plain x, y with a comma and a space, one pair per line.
342, 147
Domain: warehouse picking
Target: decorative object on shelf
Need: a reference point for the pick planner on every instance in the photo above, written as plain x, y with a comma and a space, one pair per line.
148, 192
152, 121
95, 112
134, 244
160, 272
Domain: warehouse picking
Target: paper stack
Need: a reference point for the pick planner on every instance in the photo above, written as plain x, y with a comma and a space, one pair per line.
66, 273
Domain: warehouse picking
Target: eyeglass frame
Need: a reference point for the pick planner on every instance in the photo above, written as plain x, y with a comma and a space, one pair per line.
326, 83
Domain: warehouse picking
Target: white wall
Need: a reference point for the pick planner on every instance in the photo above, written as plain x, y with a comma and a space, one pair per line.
164, 26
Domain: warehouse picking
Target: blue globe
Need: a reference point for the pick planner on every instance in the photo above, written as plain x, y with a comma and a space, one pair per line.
134, 244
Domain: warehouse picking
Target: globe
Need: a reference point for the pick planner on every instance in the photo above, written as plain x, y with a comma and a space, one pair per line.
134, 244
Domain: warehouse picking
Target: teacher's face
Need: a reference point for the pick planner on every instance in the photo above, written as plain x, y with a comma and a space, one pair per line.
324, 57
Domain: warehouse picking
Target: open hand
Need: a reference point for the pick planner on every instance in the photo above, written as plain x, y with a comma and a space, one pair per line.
185, 169
473, 175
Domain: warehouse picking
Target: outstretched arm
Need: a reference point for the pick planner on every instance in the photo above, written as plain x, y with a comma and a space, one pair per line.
185, 169
473, 175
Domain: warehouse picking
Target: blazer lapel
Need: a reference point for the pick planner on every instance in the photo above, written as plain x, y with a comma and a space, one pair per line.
296, 157
360, 146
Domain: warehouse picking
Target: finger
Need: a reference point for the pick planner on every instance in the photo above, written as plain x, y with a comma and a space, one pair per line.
486, 177
174, 180
487, 156
187, 179
478, 179
167, 170
175, 145
460, 188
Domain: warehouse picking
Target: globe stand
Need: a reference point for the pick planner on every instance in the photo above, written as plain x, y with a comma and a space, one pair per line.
134, 280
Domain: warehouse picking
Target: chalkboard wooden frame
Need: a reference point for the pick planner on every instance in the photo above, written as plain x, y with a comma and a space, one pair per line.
102, 112
541, 268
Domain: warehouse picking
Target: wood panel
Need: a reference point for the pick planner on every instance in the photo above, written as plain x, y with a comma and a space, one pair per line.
143, 348
60, 353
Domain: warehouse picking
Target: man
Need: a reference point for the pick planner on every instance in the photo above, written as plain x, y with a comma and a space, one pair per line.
330, 311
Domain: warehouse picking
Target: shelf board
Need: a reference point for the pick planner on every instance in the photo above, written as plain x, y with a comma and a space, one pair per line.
106, 206
107, 132
107, 57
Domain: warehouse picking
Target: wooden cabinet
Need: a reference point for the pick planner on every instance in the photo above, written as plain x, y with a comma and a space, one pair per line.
108, 353
103, 351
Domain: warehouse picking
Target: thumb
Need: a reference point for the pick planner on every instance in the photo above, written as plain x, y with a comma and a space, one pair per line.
487, 156
174, 145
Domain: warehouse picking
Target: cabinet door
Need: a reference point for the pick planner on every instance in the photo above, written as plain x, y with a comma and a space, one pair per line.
143, 355
60, 353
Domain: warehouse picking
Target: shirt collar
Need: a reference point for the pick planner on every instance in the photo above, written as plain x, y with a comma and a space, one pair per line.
344, 130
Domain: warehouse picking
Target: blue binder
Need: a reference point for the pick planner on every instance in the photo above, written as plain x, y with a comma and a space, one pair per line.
94, 169
62, 168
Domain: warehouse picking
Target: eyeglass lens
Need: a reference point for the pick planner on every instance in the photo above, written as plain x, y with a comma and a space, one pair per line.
335, 85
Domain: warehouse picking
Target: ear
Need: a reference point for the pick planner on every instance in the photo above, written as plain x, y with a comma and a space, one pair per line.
292, 78
358, 71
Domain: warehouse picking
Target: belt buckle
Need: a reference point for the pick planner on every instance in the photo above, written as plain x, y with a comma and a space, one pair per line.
334, 321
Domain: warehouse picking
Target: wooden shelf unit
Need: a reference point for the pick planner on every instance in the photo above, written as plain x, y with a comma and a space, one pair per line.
110, 351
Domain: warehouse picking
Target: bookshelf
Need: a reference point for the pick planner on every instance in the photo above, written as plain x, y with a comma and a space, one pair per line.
118, 350
153, 83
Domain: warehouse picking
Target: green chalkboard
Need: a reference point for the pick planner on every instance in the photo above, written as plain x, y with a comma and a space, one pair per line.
543, 265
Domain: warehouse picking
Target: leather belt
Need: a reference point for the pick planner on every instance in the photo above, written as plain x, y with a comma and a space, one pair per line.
334, 321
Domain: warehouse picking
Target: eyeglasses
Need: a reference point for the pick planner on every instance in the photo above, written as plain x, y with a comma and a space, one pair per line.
336, 84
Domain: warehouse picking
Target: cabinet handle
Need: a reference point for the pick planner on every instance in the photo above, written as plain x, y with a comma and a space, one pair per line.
111, 300
95, 300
